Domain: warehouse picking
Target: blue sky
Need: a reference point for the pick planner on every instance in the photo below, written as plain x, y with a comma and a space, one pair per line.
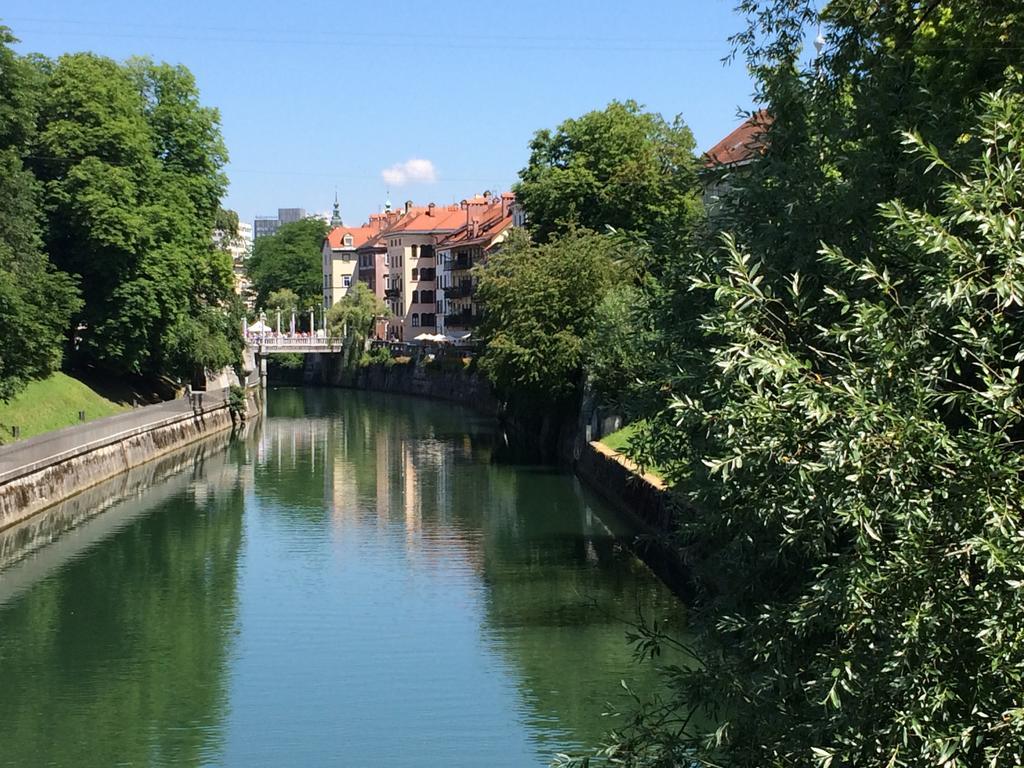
316, 95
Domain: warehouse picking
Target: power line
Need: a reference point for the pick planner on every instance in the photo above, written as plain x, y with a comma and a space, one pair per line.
395, 41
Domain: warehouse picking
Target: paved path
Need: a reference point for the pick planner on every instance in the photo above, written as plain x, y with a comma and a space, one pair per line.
73, 440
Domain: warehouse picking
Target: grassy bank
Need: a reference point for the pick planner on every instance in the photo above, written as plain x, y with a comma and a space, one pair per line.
51, 404
619, 442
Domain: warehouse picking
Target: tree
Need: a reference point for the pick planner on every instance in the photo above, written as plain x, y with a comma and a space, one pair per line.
130, 163
353, 317
225, 224
291, 258
284, 301
36, 301
856, 470
540, 301
620, 167
352, 320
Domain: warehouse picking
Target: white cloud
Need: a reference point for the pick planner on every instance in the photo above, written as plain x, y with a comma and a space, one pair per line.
415, 169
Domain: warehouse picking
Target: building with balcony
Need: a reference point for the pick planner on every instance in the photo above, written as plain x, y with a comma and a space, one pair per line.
411, 284
488, 220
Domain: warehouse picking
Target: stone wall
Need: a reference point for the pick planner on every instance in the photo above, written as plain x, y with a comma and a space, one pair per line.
27, 489
645, 500
467, 389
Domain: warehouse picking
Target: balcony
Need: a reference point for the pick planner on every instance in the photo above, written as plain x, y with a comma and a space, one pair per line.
460, 262
462, 290
461, 320
392, 293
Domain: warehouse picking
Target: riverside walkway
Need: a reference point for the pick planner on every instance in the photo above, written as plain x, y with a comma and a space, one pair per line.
24, 456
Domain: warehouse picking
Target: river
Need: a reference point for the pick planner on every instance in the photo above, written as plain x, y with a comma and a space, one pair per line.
356, 582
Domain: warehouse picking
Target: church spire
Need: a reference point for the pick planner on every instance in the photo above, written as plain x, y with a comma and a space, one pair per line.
336, 216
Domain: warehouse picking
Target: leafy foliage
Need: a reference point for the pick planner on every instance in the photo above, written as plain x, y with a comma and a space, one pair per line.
130, 163
620, 167
290, 258
36, 301
352, 319
540, 302
852, 448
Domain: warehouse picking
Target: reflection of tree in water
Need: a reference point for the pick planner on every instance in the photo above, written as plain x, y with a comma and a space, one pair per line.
123, 653
561, 588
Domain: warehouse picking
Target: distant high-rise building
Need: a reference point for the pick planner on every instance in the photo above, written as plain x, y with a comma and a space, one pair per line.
289, 215
268, 225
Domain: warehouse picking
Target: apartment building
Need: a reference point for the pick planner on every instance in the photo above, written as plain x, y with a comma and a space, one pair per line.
340, 260
487, 220
412, 269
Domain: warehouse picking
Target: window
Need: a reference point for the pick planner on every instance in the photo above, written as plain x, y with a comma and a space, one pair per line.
415, 297
415, 274
348, 240
346, 281
415, 251
415, 320
427, 297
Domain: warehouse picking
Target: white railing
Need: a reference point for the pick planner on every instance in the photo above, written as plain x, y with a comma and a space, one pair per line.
292, 342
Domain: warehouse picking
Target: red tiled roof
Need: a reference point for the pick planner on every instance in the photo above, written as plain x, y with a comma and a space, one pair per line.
439, 220
336, 237
491, 222
743, 145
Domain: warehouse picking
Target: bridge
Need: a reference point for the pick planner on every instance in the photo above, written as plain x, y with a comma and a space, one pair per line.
263, 345
269, 345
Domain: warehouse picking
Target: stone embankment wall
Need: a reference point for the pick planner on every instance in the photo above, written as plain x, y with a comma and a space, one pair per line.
43, 471
471, 390
645, 500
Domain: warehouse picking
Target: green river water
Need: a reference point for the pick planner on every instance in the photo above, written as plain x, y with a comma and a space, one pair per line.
353, 583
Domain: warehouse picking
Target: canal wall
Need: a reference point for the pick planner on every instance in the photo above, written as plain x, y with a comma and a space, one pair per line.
646, 502
44, 470
418, 379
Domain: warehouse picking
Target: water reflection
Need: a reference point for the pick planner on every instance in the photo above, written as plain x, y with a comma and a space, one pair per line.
519, 551
119, 656
357, 584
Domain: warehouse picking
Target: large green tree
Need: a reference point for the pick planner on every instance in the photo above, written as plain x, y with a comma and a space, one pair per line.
859, 496
290, 258
131, 166
844, 420
619, 167
540, 302
36, 301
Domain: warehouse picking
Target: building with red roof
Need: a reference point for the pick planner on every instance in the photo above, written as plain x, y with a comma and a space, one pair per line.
742, 147
488, 222
339, 260
412, 269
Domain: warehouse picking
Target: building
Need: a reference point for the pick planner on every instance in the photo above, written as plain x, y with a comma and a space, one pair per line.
487, 222
412, 270
732, 155
240, 248
268, 225
340, 260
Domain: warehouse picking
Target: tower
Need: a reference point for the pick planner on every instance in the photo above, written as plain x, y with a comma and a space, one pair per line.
336, 216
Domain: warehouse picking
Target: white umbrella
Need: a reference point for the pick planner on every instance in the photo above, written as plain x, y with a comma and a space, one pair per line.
259, 327
424, 337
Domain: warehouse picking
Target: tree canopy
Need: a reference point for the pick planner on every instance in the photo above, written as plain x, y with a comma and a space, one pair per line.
129, 167
36, 301
540, 302
291, 258
835, 404
619, 167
